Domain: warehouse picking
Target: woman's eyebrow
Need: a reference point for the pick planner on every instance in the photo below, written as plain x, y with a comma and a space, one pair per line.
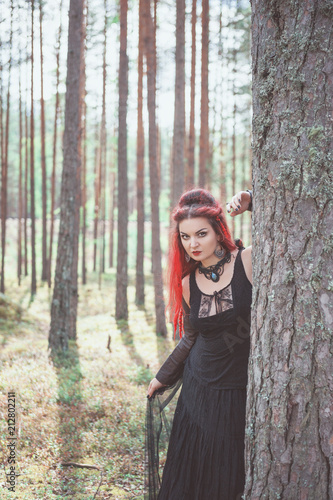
182, 232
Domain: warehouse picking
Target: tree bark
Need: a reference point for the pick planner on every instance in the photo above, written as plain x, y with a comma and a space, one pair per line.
290, 390
43, 160
140, 152
204, 128
32, 163
4, 166
63, 310
154, 187
189, 178
54, 151
122, 278
19, 215
179, 111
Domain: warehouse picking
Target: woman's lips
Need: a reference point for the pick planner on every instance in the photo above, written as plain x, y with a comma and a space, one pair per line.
196, 253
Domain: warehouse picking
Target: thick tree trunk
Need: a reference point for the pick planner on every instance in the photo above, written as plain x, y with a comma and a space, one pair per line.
140, 152
154, 188
290, 392
63, 310
54, 151
204, 130
189, 178
179, 112
43, 160
122, 278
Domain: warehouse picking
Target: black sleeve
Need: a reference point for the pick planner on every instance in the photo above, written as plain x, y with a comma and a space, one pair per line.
172, 368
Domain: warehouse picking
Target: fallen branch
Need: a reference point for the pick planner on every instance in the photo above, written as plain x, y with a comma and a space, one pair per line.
80, 466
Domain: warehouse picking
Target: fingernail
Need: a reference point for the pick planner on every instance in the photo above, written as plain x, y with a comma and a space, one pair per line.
238, 206
239, 200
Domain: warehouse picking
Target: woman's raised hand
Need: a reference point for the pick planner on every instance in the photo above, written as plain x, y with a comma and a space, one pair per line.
239, 203
154, 386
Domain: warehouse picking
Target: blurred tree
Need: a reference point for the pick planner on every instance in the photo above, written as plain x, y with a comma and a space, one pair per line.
55, 138
140, 151
179, 109
122, 278
153, 174
32, 162
4, 163
43, 160
64, 301
204, 125
189, 178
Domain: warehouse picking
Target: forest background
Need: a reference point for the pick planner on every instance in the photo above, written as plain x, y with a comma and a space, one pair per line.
88, 406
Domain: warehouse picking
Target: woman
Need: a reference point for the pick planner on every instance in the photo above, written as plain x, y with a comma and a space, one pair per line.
210, 299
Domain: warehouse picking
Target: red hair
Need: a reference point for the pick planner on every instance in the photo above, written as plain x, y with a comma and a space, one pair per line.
193, 203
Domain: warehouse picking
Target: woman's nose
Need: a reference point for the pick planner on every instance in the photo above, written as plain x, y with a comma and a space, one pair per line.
194, 243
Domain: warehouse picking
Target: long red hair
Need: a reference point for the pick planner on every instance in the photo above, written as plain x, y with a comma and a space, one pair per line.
193, 203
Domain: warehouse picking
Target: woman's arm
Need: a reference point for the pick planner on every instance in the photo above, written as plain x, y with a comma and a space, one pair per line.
173, 367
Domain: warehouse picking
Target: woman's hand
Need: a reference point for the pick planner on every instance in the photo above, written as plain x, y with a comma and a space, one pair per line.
239, 203
154, 386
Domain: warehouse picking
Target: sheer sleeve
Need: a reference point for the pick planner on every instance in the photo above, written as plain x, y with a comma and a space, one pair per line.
172, 368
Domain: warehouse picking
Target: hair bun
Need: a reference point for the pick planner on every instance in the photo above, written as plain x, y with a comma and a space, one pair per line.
197, 197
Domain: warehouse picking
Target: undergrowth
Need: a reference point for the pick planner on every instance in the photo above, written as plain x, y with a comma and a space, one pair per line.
86, 406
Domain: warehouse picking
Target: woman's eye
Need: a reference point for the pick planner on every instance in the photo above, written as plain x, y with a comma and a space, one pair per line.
184, 236
203, 233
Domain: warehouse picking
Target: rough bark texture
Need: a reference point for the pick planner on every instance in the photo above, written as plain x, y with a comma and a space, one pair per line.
189, 178
122, 278
289, 446
65, 287
204, 135
140, 151
154, 184
179, 113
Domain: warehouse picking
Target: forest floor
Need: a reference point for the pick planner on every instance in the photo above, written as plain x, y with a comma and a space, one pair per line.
87, 407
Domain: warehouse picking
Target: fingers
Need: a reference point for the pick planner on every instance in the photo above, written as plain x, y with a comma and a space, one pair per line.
237, 205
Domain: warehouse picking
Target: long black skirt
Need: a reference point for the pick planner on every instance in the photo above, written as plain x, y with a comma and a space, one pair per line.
205, 459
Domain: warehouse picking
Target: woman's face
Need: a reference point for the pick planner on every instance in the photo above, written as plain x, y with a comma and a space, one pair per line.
199, 240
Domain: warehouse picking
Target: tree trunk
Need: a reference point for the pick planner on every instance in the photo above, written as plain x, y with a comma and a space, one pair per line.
103, 159
179, 112
63, 310
204, 130
112, 209
290, 390
154, 188
43, 161
26, 181
32, 163
4, 169
121, 294
54, 152
140, 152
84, 152
19, 215
97, 190
189, 178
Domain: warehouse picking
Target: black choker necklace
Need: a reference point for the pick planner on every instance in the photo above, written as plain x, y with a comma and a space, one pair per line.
216, 270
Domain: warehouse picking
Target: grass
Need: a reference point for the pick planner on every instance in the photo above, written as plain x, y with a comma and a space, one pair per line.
87, 406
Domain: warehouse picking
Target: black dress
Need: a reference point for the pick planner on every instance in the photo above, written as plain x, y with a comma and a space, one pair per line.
205, 459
